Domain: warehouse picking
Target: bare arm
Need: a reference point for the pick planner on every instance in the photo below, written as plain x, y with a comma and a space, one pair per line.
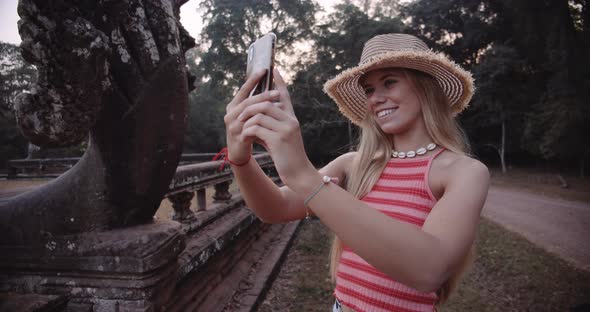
270, 203
273, 204
422, 258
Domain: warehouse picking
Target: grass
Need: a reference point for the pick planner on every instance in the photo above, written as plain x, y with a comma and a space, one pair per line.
303, 283
509, 274
512, 274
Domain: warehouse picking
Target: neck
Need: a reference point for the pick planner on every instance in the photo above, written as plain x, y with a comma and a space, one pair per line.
412, 139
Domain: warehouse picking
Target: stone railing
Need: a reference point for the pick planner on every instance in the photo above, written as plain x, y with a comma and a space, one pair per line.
42, 167
196, 178
53, 167
217, 256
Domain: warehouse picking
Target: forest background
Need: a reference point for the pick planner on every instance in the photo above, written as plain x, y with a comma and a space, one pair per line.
528, 57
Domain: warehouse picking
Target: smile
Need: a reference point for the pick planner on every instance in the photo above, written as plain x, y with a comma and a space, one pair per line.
386, 112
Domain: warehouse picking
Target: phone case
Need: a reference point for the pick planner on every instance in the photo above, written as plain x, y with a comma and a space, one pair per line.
261, 56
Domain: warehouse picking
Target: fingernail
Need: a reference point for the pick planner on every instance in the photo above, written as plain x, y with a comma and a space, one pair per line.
274, 93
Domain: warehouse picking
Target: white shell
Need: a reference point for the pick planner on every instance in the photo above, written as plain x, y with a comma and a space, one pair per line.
411, 154
430, 146
421, 151
394, 154
401, 155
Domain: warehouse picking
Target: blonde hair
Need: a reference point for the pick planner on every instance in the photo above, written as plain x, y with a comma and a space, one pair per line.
375, 148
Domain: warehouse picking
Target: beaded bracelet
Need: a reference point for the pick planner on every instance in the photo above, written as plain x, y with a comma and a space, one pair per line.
325, 180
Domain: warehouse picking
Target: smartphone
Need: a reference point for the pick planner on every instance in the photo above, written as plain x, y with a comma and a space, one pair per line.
261, 55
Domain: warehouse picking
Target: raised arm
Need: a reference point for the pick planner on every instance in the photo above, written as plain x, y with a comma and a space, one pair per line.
270, 203
422, 258
278, 205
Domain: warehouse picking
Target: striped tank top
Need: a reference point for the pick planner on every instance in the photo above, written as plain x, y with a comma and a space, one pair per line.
402, 193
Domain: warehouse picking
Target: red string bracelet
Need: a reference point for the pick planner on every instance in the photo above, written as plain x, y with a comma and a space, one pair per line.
225, 154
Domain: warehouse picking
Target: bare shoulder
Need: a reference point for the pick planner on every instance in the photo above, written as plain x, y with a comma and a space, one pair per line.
466, 167
451, 168
455, 166
348, 158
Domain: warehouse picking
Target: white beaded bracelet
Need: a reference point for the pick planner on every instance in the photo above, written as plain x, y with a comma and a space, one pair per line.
325, 180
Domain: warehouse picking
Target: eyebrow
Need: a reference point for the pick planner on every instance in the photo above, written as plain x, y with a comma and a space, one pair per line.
383, 77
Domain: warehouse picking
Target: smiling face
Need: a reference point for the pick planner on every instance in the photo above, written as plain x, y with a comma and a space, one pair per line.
391, 100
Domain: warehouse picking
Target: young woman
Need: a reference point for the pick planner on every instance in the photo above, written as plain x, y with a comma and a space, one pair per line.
405, 206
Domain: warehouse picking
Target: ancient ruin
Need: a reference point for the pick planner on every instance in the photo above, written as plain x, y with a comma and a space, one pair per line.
114, 72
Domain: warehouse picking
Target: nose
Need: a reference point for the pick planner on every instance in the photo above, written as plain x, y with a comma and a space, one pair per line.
375, 99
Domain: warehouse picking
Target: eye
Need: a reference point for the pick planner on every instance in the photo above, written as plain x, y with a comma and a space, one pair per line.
369, 90
389, 82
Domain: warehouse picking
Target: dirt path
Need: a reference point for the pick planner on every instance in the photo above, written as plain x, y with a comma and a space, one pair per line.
559, 226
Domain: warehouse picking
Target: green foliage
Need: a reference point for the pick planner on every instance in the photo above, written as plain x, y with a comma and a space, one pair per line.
503, 89
461, 28
338, 44
528, 60
219, 65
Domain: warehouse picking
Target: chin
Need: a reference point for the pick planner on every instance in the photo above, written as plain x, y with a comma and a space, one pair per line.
394, 128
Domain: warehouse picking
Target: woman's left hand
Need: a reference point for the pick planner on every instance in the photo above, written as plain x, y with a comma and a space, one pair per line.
275, 124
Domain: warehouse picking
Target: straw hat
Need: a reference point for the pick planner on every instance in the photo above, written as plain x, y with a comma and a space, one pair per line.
399, 50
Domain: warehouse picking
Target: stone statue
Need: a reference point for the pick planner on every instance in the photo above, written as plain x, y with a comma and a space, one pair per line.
113, 71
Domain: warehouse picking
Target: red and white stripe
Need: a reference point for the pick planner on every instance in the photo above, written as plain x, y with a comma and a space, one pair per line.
402, 192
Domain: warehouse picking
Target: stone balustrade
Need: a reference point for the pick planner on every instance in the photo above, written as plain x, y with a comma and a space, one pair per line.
217, 256
53, 167
196, 178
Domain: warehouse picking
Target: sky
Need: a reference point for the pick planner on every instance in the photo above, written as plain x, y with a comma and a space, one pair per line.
189, 18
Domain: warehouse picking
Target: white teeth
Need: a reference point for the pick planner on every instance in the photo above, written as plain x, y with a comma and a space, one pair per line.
385, 112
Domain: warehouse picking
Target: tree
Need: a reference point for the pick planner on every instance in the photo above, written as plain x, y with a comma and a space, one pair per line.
550, 37
230, 27
557, 124
501, 102
338, 44
461, 28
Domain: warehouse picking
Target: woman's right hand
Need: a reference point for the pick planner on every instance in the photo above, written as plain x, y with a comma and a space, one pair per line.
240, 148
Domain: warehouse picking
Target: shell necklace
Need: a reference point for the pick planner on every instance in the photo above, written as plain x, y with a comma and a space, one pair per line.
411, 154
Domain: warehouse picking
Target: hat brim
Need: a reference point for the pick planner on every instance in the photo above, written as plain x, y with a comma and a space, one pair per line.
457, 83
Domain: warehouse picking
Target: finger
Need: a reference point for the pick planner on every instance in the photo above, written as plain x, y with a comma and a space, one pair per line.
267, 108
284, 93
265, 121
268, 96
244, 91
260, 133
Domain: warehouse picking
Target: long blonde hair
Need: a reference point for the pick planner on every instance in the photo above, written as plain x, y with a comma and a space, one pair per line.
375, 148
